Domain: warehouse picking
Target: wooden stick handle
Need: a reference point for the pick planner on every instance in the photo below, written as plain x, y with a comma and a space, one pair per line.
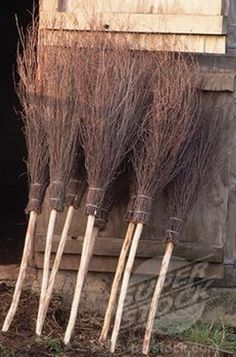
27, 253
116, 281
156, 296
84, 262
46, 265
124, 286
55, 269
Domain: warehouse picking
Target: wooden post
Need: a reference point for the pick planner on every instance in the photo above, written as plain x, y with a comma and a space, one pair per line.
29, 238
116, 281
156, 296
124, 286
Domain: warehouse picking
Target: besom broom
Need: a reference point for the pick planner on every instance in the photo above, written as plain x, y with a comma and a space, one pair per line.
168, 125
202, 159
114, 84
74, 193
61, 125
29, 89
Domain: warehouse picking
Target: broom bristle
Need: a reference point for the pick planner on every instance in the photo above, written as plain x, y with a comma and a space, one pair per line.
29, 90
77, 182
169, 125
203, 157
113, 105
61, 119
116, 194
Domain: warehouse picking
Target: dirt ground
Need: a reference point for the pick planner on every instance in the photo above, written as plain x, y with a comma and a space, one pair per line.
22, 341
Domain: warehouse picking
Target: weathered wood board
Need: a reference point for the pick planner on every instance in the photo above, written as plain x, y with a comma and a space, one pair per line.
146, 249
144, 23
199, 7
144, 41
142, 266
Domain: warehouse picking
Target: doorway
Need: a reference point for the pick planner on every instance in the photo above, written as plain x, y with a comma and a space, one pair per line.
13, 177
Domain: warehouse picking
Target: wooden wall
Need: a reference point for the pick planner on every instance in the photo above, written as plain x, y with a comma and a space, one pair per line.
195, 26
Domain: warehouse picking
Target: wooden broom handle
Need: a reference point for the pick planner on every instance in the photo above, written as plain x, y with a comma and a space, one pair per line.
44, 307
124, 286
27, 253
46, 263
116, 281
156, 296
84, 262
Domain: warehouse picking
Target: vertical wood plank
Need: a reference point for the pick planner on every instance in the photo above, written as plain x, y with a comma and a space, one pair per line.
50, 5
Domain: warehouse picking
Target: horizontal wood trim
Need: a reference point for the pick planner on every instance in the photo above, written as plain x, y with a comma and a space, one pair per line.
149, 42
145, 23
219, 82
196, 7
10, 272
146, 249
141, 266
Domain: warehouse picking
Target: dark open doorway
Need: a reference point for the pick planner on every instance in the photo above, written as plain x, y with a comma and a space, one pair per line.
13, 178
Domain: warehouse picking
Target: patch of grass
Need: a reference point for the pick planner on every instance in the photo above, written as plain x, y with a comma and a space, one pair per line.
6, 352
52, 345
216, 335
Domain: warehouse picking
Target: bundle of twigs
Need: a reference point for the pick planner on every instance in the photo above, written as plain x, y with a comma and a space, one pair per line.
115, 96
29, 89
74, 194
61, 124
169, 125
202, 158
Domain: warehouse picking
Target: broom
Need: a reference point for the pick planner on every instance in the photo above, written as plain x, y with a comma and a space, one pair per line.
119, 271
30, 94
115, 98
115, 194
167, 127
61, 123
203, 157
74, 194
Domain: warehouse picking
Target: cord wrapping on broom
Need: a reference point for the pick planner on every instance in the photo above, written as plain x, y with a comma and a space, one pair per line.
75, 192
174, 230
142, 209
130, 210
101, 221
36, 197
57, 195
95, 198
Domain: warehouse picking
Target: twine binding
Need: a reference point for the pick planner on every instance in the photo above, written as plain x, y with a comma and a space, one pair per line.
36, 197
142, 209
95, 199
